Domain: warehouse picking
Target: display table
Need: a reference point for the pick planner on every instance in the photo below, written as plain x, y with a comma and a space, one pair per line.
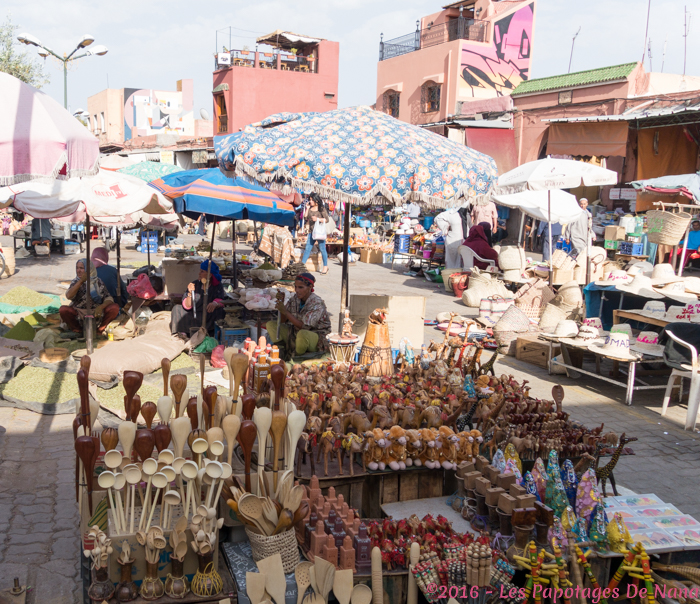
58, 243
634, 316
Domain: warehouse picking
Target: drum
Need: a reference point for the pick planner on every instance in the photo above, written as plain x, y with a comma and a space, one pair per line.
342, 349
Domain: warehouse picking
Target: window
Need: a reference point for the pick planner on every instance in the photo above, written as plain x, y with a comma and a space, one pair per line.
430, 97
391, 103
102, 121
96, 123
221, 114
566, 97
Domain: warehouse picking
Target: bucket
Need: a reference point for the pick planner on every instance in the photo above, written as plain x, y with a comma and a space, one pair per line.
428, 222
427, 254
401, 243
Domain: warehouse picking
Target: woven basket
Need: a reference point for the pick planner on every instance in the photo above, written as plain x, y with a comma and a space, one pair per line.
562, 261
551, 316
284, 544
514, 320
666, 228
472, 296
532, 298
511, 257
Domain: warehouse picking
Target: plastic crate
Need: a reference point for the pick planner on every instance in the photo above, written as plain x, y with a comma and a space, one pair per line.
610, 244
563, 244
630, 248
71, 247
229, 335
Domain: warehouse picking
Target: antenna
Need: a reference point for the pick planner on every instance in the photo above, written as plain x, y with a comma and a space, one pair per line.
686, 31
649, 54
646, 33
663, 56
572, 47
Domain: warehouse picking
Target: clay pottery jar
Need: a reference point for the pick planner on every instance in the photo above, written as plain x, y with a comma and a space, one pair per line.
126, 590
152, 587
206, 581
101, 587
176, 584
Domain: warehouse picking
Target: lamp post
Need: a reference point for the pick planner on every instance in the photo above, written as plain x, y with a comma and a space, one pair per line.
45, 51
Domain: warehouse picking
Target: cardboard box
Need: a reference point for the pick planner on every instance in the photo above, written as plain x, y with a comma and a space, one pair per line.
614, 233
405, 316
178, 274
371, 256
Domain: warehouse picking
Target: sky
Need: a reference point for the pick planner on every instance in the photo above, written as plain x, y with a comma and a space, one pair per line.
154, 44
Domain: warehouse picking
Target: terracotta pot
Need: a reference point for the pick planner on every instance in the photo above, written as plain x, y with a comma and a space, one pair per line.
176, 585
152, 587
126, 589
101, 588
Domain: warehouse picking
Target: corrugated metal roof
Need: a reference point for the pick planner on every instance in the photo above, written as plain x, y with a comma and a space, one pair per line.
643, 112
572, 80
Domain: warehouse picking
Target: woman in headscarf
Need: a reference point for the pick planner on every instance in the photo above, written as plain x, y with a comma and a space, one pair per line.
478, 242
102, 304
304, 322
189, 314
109, 276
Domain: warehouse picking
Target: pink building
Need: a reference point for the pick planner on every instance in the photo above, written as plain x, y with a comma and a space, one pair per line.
472, 50
296, 74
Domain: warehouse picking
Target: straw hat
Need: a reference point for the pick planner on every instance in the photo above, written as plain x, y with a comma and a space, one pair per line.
663, 273
640, 286
564, 329
692, 285
654, 309
640, 268
551, 316
614, 277
648, 343
616, 345
569, 294
593, 322
586, 335
675, 314
676, 291
623, 328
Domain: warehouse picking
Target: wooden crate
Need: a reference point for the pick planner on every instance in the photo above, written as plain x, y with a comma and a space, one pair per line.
531, 350
389, 487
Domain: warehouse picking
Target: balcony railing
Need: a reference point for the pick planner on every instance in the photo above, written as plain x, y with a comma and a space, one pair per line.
265, 60
456, 29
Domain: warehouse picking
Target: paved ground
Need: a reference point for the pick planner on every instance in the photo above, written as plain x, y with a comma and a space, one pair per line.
38, 519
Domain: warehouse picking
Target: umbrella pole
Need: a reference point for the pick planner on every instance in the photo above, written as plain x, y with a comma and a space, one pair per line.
119, 261
685, 249
345, 278
87, 324
522, 226
148, 249
206, 285
549, 226
234, 267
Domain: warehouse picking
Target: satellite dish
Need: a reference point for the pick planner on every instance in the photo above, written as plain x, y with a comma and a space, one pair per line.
204, 114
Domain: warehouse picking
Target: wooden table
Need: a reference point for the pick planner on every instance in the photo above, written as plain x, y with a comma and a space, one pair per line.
635, 316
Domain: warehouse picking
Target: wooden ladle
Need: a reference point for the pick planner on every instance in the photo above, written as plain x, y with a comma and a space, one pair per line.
132, 382
85, 448
135, 407
127, 434
239, 368
165, 409
165, 366
180, 429
178, 384
231, 424
192, 412
144, 442
148, 412
248, 406
163, 436
246, 438
277, 427
296, 421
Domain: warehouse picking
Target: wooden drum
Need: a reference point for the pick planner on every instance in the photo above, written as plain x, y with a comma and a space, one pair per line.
342, 348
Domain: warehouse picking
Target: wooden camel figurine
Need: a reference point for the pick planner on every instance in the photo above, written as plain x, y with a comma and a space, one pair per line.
330, 443
606, 472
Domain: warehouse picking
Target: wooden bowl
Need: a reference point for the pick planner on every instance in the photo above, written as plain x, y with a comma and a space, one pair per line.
54, 355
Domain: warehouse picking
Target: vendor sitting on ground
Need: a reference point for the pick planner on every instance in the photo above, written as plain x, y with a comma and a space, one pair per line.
102, 304
109, 276
189, 313
305, 322
478, 242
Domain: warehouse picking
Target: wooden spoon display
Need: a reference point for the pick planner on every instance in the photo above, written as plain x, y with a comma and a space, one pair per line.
165, 366
180, 429
135, 407
148, 412
109, 438
85, 448
178, 384
163, 436
192, 412
144, 442
165, 409
246, 438
132, 382
231, 424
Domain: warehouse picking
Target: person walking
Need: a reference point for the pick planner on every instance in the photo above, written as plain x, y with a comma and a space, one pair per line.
317, 217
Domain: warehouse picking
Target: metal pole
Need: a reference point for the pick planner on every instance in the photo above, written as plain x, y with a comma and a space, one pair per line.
522, 226
206, 285
549, 226
148, 248
65, 84
234, 266
345, 278
87, 324
685, 249
119, 259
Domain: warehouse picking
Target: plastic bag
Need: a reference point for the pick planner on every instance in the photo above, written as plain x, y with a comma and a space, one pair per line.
319, 233
217, 357
207, 345
141, 288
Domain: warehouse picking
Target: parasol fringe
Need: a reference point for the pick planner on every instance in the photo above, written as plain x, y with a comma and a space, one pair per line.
16, 179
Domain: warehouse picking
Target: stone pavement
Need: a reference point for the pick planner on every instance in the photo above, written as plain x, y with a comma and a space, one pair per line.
38, 517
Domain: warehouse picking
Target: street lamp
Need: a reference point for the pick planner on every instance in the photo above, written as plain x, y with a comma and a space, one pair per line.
45, 51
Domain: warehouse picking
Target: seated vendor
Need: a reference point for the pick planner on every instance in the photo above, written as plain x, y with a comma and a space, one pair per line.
189, 314
102, 304
693, 247
109, 276
305, 322
478, 242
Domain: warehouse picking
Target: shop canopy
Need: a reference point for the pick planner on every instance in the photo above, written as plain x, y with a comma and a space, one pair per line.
564, 207
683, 184
286, 40
149, 170
209, 192
39, 139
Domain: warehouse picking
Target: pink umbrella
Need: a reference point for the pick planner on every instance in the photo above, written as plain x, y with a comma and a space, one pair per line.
39, 138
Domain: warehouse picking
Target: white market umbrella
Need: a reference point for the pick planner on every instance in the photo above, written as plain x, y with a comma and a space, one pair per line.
551, 174
39, 138
564, 207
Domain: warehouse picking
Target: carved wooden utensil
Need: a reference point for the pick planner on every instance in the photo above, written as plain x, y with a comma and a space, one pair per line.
77, 427
248, 405
148, 412
144, 442
228, 355
210, 395
109, 438
239, 367
163, 436
135, 407
192, 412
277, 379
178, 384
180, 431
277, 427
558, 394
246, 438
165, 409
165, 366
231, 424
85, 448
84, 399
132, 382
194, 435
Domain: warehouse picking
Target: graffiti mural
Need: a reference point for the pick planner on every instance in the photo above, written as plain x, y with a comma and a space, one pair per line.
149, 112
496, 69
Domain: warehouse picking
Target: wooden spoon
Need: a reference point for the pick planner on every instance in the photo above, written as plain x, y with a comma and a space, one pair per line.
192, 412
109, 438
133, 477
251, 507
246, 438
361, 594
239, 368
144, 442
163, 436
189, 471
165, 409
148, 412
301, 574
84, 399
262, 417
231, 424
278, 424
275, 582
301, 513
85, 448
220, 409
296, 421
180, 429
342, 585
228, 355
210, 395
248, 406
135, 407
293, 498
255, 587
213, 435
325, 573
277, 379
165, 366
285, 521
127, 434
178, 384
160, 481
132, 382
106, 481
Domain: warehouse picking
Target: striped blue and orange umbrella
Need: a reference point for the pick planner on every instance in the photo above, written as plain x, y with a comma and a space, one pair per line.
209, 192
